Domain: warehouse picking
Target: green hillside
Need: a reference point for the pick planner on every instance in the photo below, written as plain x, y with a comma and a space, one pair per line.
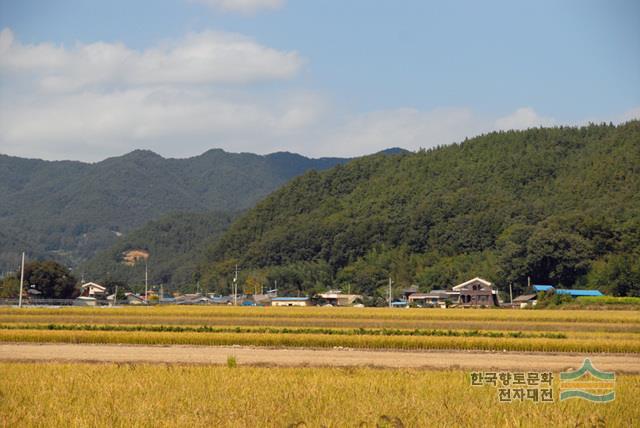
172, 243
561, 205
68, 211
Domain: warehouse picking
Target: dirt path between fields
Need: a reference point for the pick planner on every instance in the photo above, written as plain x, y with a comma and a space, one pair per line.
295, 357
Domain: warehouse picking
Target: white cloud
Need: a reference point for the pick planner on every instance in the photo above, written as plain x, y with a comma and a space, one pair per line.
179, 98
184, 97
242, 6
523, 118
90, 125
406, 127
201, 58
632, 114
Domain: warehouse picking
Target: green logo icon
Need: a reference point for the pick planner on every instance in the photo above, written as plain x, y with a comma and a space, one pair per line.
588, 383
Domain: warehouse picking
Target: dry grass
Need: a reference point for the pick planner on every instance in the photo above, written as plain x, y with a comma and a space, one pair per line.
81, 395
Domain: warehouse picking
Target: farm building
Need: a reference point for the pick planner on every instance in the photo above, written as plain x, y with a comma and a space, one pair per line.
434, 298
524, 301
85, 301
133, 299
336, 298
566, 291
91, 289
290, 301
477, 292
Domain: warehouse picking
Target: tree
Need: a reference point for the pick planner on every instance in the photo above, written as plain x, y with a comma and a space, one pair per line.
9, 287
52, 279
617, 274
512, 256
558, 256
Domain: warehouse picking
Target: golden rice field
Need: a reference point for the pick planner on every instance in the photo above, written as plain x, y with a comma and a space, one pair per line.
375, 328
109, 395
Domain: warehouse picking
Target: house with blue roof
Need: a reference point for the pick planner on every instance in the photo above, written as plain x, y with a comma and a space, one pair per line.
567, 291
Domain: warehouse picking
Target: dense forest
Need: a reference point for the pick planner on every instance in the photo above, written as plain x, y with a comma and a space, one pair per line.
68, 211
173, 244
559, 205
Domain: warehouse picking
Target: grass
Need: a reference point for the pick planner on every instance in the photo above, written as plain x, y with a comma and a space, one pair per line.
609, 301
110, 395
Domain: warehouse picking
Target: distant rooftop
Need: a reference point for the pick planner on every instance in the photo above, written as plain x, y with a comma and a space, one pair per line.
289, 299
543, 287
566, 291
578, 293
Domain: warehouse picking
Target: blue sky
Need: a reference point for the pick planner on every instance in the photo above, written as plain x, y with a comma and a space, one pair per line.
322, 78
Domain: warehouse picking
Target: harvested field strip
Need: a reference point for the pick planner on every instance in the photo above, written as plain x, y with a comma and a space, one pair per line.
381, 314
322, 341
199, 396
274, 330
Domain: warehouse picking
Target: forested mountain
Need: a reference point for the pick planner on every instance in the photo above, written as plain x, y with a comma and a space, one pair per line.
561, 205
174, 247
69, 210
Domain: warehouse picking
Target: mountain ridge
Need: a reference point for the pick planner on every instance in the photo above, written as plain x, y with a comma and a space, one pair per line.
70, 210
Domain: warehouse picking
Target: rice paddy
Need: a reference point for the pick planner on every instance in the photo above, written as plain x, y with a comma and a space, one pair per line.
124, 395
361, 328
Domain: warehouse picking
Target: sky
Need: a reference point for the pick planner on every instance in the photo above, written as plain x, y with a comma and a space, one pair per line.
87, 80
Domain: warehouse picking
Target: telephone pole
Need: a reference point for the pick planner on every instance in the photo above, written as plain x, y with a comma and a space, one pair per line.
21, 281
510, 294
235, 288
390, 305
146, 281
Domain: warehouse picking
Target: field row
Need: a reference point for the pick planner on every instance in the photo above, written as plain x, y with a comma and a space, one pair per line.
363, 341
197, 396
284, 321
315, 313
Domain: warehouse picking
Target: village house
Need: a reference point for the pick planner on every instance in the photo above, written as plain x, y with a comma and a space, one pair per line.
477, 292
526, 300
336, 298
566, 291
290, 301
91, 289
434, 298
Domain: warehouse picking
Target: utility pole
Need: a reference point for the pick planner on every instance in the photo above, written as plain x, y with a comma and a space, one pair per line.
146, 281
390, 305
235, 288
115, 296
510, 294
21, 281
528, 283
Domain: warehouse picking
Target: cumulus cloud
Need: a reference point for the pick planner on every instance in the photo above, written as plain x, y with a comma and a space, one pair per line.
88, 125
632, 114
405, 127
199, 58
242, 6
182, 97
523, 118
